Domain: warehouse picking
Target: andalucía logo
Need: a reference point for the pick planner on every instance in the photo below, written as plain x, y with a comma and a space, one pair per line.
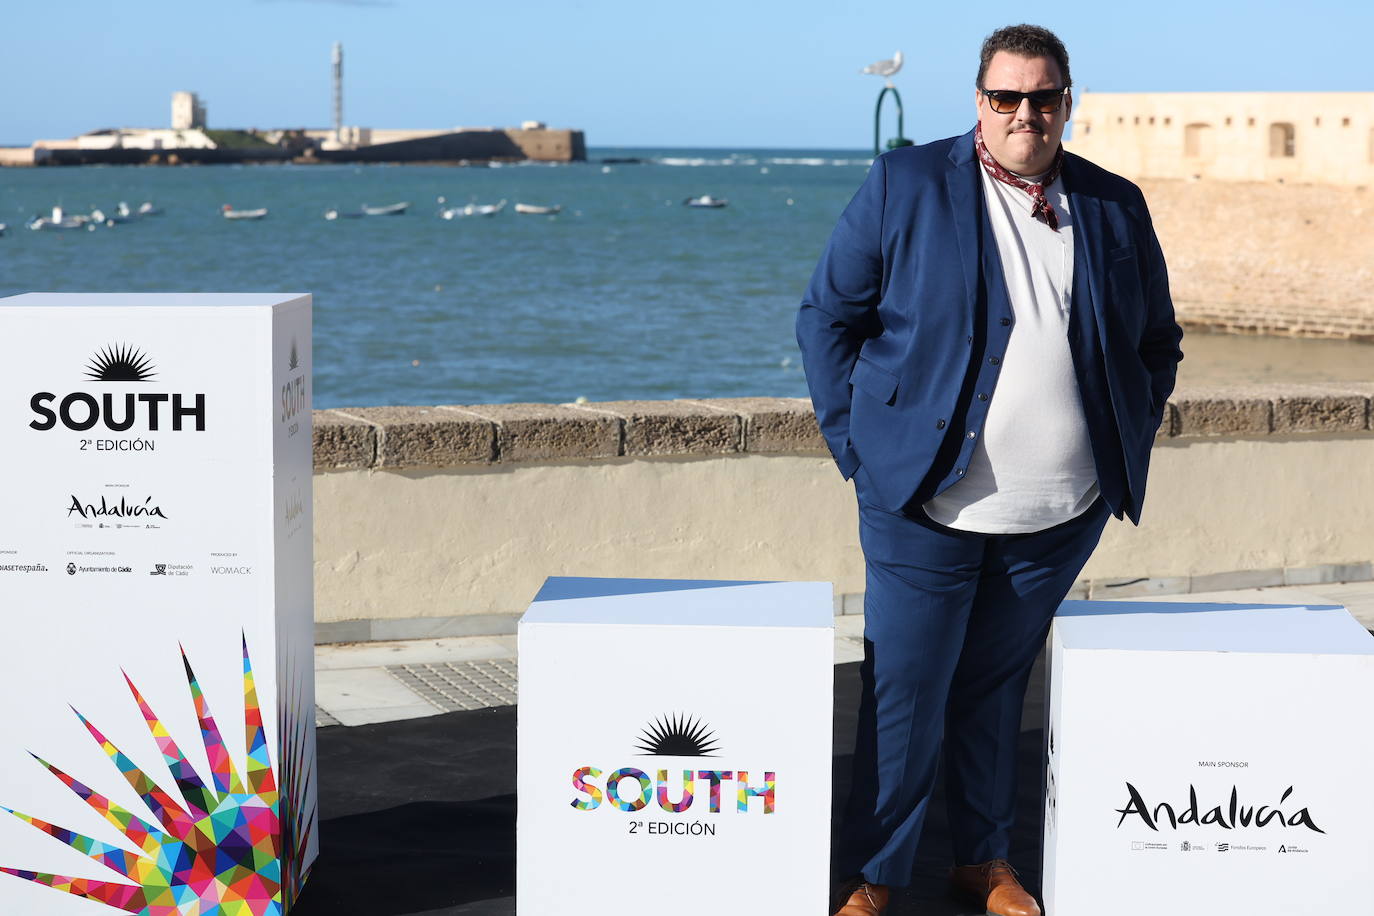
293, 506
120, 364
1228, 818
121, 509
631, 788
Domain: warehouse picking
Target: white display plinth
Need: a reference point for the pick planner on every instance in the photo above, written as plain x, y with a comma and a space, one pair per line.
674, 748
1208, 759
156, 585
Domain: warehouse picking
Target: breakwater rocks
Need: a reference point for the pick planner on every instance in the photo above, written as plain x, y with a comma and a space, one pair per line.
399, 438
1268, 258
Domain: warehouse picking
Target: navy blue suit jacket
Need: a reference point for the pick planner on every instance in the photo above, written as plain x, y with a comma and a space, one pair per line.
893, 325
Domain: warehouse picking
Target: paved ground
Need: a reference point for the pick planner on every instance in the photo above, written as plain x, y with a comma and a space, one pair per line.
366, 683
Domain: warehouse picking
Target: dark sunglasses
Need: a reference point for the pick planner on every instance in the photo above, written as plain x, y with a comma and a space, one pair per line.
1004, 101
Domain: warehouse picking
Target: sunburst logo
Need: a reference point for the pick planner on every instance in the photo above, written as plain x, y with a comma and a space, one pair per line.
233, 846
677, 736
294, 362
120, 363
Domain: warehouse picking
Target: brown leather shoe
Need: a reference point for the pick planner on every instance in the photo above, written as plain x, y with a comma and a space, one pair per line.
993, 886
865, 900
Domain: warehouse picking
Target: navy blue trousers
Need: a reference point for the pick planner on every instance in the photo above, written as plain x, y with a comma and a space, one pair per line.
953, 622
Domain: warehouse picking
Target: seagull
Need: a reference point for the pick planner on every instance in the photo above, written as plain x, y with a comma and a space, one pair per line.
885, 68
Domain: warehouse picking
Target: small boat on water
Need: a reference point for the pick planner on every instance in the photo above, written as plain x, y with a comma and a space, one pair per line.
59, 220
537, 210
147, 209
388, 210
706, 201
473, 210
122, 214
229, 212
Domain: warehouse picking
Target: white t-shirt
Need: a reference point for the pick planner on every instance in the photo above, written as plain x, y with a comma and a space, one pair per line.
1033, 468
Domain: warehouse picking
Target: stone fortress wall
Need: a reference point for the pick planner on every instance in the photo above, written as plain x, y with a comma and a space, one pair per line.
1293, 137
1262, 201
1268, 258
436, 521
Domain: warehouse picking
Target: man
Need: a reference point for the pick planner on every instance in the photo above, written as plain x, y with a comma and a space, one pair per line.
989, 343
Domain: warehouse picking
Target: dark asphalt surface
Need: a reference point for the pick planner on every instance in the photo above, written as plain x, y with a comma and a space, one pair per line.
418, 817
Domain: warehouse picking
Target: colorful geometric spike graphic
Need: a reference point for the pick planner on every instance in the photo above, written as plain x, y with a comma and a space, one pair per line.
232, 846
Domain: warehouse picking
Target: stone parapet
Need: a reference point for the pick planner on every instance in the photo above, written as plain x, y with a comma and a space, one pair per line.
420, 437
654, 428
454, 436
343, 443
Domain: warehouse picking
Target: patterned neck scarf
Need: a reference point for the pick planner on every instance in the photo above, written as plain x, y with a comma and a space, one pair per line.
1040, 206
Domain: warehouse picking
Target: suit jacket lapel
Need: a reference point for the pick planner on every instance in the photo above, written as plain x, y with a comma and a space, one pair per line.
962, 186
1088, 259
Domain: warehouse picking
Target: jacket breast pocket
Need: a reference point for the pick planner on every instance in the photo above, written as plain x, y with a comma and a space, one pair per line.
874, 381
1128, 295
1124, 269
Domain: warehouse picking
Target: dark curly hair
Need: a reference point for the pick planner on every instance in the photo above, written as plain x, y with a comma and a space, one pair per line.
1024, 41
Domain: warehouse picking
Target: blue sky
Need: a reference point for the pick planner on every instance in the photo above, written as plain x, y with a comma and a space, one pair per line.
742, 73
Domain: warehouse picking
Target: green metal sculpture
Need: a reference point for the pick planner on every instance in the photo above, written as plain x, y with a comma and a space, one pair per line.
886, 69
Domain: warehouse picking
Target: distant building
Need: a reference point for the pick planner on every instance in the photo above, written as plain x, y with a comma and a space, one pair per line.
188, 112
1312, 137
141, 138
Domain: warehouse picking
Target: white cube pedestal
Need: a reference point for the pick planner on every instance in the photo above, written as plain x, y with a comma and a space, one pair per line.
674, 748
1208, 759
156, 586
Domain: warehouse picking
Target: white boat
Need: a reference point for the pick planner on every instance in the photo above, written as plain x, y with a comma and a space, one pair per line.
706, 201
229, 212
487, 209
473, 210
537, 210
388, 210
122, 214
59, 220
147, 209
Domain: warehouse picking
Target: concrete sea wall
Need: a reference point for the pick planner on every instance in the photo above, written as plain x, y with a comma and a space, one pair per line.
444, 520
543, 145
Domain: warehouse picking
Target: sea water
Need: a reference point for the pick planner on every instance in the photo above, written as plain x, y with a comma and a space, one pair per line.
624, 294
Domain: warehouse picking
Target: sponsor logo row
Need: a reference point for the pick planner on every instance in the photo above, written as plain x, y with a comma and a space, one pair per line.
1190, 846
169, 570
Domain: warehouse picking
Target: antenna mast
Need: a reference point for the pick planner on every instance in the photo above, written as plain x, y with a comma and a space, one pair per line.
337, 58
